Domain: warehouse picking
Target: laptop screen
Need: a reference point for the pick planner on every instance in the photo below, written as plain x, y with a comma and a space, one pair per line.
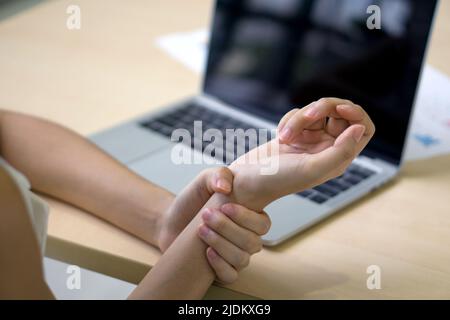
267, 57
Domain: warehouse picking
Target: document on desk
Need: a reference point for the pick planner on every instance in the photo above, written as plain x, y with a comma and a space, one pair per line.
189, 48
429, 133
430, 129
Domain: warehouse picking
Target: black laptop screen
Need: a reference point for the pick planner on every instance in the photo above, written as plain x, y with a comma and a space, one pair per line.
267, 57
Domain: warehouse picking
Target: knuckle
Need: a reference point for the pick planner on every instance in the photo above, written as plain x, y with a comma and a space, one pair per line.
324, 100
291, 113
296, 113
295, 116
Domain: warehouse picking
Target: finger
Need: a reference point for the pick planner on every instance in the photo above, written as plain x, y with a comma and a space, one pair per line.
257, 222
350, 112
225, 273
194, 196
327, 107
317, 125
243, 238
219, 180
332, 160
208, 182
309, 137
285, 119
312, 134
302, 119
232, 254
355, 114
336, 126
298, 121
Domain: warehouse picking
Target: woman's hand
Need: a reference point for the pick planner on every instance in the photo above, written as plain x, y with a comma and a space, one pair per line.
188, 203
315, 144
233, 233
314, 151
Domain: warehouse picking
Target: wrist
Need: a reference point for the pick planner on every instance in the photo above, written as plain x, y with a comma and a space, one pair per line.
161, 222
247, 191
153, 217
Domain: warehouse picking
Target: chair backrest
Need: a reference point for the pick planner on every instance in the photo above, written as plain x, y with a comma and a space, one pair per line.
21, 267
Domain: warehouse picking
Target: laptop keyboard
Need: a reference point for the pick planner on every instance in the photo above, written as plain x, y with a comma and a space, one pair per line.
354, 175
185, 116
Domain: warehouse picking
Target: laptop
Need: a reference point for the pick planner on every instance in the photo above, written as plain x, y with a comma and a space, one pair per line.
267, 57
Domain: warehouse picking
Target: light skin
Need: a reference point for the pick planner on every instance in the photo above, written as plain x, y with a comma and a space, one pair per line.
313, 151
64, 165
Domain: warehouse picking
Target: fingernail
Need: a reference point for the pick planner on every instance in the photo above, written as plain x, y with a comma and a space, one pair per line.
358, 133
224, 185
203, 231
286, 134
212, 253
207, 214
228, 208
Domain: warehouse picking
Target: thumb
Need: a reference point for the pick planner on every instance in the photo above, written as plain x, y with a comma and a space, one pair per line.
194, 196
352, 135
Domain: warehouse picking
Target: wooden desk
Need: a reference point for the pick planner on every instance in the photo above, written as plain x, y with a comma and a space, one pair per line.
111, 70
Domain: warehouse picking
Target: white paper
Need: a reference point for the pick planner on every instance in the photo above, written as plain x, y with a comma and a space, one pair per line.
189, 48
430, 130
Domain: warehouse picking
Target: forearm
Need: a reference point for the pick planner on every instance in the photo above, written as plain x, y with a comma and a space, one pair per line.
183, 271
62, 164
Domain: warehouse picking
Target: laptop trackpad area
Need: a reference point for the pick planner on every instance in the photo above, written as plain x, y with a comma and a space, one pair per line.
129, 142
162, 170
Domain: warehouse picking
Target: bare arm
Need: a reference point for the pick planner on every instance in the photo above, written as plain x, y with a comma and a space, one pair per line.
317, 150
64, 165
183, 271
